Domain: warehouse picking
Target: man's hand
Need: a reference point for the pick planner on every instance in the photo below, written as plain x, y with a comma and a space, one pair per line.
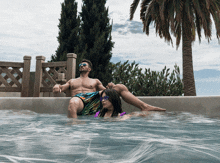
56, 89
110, 85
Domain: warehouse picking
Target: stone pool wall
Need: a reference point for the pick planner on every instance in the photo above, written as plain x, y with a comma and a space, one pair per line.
209, 106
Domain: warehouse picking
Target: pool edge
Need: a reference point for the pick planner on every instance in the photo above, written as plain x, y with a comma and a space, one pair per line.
208, 106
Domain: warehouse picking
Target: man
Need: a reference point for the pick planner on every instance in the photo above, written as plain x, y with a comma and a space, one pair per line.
85, 93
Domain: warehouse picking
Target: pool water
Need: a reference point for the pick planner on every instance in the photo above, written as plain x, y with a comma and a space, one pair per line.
170, 137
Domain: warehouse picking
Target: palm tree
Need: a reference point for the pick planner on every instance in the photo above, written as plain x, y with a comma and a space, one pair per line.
182, 18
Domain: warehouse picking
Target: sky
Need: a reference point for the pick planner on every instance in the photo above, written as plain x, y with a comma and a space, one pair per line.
30, 28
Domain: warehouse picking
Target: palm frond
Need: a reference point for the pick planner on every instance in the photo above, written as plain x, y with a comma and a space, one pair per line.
178, 5
196, 6
179, 17
207, 24
148, 17
208, 4
178, 34
146, 25
166, 32
144, 6
193, 29
162, 8
198, 26
188, 10
165, 21
170, 15
215, 12
133, 8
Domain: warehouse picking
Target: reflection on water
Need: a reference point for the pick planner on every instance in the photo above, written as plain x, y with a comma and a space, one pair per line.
26, 136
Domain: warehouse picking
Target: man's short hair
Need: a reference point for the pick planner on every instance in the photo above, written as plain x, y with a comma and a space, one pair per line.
87, 61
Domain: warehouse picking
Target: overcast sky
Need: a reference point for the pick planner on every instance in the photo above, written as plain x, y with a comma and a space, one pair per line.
30, 28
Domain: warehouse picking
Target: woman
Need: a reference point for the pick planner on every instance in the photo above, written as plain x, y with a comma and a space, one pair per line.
111, 103
112, 107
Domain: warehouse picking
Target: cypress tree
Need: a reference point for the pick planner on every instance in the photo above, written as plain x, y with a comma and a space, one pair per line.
68, 37
95, 38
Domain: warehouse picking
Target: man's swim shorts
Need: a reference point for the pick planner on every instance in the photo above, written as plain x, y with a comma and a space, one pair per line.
91, 102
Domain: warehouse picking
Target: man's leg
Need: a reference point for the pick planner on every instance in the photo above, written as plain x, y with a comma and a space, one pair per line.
75, 106
131, 99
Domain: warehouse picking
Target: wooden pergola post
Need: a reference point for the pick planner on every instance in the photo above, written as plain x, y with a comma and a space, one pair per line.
26, 76
38, 75
71, 69
71, 66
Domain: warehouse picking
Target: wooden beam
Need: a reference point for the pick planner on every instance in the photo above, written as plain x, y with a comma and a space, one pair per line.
55, 64
11, 64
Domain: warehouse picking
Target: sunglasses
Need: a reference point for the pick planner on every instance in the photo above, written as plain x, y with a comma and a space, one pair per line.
82, 64
104, 98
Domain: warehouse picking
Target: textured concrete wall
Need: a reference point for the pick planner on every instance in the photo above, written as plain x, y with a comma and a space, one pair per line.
10, 94
209, 106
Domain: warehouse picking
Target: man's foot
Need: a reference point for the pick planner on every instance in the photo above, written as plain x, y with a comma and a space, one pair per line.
151, 108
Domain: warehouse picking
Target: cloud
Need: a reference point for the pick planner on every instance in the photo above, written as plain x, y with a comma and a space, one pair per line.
140, 47
146, 50
133, 27
30, 28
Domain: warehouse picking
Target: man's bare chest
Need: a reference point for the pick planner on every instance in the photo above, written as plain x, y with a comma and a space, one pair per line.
84, 84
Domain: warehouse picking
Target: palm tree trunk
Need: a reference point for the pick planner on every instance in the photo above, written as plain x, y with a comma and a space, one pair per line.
188, 75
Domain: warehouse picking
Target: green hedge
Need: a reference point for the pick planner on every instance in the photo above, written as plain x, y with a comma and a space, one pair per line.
147, 83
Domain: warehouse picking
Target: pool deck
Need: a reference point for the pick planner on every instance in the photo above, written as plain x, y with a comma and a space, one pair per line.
208, 106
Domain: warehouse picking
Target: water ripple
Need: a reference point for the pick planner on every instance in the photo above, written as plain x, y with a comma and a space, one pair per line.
169, 137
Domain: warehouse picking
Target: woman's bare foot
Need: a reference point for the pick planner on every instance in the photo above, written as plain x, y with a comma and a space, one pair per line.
147, 107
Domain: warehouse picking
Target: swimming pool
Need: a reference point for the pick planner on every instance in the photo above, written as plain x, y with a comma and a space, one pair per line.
27, 136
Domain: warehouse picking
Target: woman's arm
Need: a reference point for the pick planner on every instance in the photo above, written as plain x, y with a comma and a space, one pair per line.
133, 114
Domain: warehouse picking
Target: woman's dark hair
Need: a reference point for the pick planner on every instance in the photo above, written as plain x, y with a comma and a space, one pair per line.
87, 61
114, 98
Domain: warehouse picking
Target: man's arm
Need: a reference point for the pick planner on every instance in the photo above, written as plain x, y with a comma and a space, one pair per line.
99, 86
61, 88
110, 85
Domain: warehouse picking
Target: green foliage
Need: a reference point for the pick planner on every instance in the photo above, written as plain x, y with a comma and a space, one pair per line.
87, 35
68, 30
183, 19
95, 38
68, 37
149, 83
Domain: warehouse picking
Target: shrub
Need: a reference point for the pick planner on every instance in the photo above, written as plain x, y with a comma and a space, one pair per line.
147, 83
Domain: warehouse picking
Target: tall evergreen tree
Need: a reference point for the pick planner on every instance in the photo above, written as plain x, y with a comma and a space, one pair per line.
95, 37
68, 31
